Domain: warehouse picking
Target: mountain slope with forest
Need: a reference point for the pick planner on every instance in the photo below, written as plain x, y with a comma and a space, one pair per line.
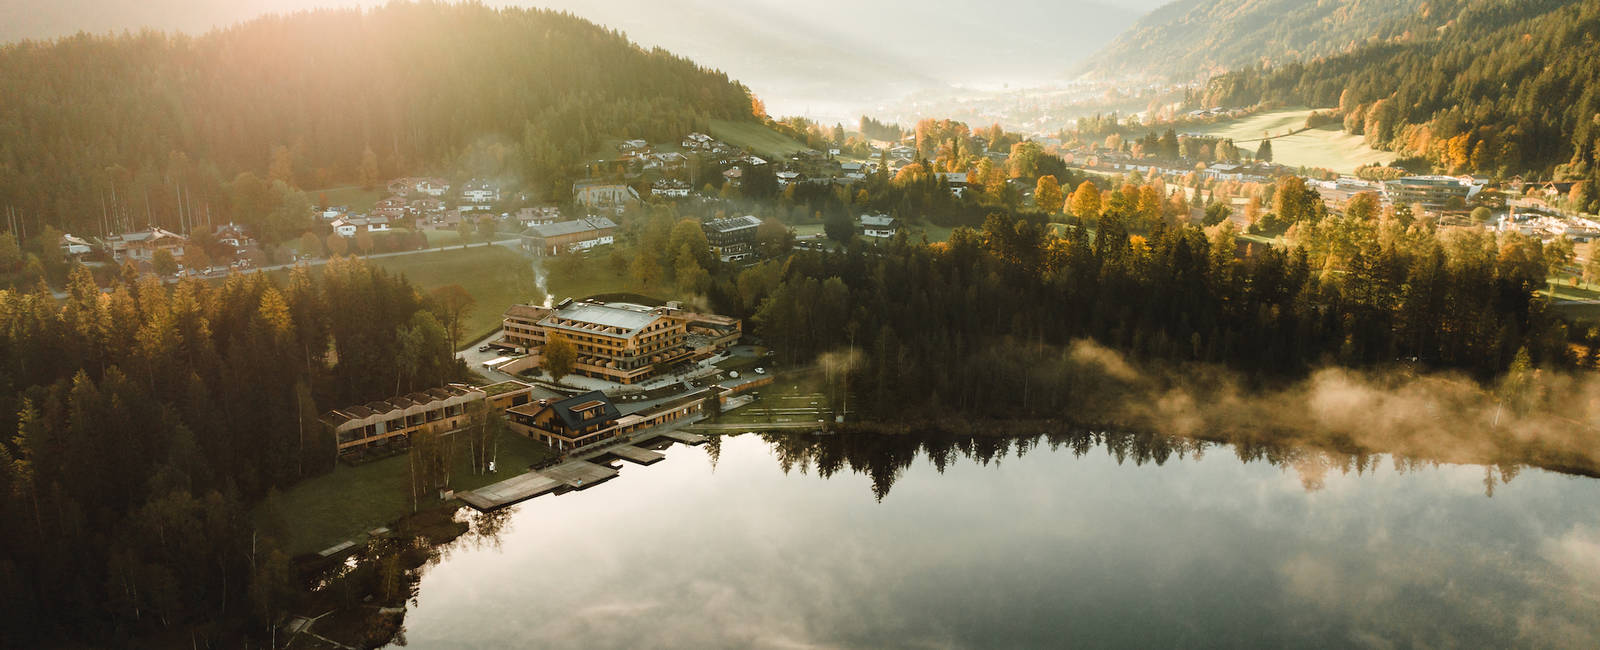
1509, 89
1191, 39
116, 128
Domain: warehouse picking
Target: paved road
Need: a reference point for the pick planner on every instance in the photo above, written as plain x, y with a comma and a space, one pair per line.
514, 244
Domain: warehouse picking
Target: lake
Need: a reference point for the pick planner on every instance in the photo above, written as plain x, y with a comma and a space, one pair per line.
1092, 541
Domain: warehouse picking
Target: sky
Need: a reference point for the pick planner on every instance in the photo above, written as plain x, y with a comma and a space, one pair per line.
808, 57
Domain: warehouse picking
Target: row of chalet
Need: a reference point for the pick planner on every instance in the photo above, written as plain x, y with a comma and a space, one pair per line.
443, 410
563, 423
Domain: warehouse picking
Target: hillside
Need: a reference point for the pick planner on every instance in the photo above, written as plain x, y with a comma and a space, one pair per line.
118, 127
1190, 39
1509, 89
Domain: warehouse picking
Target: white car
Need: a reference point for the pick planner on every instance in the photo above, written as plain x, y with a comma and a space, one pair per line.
761, 371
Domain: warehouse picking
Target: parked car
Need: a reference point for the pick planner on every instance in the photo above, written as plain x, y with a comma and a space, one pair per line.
761, 371
485, 348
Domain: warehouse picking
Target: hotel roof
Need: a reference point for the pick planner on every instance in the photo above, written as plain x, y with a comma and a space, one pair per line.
570, 227
616, 319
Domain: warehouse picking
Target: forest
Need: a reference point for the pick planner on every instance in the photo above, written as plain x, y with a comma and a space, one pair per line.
984, 321
143, 422
1506, 89
123, 130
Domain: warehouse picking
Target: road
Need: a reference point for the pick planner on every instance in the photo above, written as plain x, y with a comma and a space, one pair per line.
514, 244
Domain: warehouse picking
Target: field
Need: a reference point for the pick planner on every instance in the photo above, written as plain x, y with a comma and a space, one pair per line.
349, 501
496, 277
1325, 147
359, 200
755, 136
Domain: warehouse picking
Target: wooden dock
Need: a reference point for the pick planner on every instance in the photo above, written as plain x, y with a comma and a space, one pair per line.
684, 437
509, 491
635, 454
579, 474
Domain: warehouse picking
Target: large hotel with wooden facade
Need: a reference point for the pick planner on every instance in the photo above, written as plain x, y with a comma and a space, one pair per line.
620, 342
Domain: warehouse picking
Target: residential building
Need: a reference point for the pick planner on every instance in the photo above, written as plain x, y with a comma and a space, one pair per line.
233, 235
142, 246
599, 194
620, 342
75, 247
477, 195
540, 216
733, 238
445, 410
670, 188
434, 187
880, 226
1433, 192
569, 236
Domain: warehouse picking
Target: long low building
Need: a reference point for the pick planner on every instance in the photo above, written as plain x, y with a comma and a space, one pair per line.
569, 236
444, 409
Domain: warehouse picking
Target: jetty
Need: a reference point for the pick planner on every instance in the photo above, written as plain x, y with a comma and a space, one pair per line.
579, 471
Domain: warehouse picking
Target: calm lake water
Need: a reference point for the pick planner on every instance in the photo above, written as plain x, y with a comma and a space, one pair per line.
1050, 549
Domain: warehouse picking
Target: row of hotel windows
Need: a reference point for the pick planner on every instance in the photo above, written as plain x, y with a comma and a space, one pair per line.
398, 423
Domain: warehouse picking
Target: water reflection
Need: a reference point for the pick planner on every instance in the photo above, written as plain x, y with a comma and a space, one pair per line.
1073, 539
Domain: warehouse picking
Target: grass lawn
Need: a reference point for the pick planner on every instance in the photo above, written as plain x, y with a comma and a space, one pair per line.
934, 233
756, 137
1326, 147
343, 504
359, 200
496, 276
437, 238
808, 230
595, 277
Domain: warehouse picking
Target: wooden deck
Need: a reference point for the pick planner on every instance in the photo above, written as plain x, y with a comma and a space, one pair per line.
635, 454
684, 437
509, 491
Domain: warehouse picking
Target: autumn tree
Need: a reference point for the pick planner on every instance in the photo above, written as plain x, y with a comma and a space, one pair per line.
337, 245
1047, 194
452, 303
165, 264
558, 357
1086, 201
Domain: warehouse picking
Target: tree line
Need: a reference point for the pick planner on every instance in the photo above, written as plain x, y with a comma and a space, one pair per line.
984, 321
142, 422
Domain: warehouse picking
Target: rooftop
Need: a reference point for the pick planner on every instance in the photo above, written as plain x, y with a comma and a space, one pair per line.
570, 227
731, 224
615, 319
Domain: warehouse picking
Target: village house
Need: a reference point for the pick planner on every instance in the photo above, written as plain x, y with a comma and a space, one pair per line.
601, 194
234, 236
538, 216
434, 187
478, 195
880, 226
733, 238
670, 188
74, 247
568, 236
620, 342
142, 246
445, 410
